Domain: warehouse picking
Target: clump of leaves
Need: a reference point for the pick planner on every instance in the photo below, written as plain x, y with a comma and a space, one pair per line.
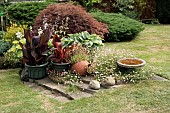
36, 47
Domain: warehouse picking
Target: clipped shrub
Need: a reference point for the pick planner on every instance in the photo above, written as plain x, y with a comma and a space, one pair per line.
4, 46
121, 28
25, 12
75, 18
163, 11
10, 34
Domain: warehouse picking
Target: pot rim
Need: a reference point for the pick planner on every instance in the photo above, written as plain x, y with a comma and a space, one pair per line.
60, 63
37, 65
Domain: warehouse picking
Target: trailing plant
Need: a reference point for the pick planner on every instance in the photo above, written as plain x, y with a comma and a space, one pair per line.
25, 12
36, 47
4, 46
78, 19
121, 28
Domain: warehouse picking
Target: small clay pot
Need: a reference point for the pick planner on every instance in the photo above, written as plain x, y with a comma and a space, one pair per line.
80, 67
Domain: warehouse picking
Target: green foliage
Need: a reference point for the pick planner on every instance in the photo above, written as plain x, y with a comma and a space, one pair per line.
121, 28
89, 43
140, 5
25, 12
163, 11
14, 55
4, 46
83, 38
88, 3
10, 34
126, 7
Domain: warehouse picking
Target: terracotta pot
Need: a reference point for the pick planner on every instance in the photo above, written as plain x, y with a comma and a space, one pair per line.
80, 67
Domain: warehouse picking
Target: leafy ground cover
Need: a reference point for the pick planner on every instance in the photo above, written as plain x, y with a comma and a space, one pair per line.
146, 96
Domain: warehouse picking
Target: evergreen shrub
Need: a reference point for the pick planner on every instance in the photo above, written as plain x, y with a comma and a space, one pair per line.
121, 28
25, 12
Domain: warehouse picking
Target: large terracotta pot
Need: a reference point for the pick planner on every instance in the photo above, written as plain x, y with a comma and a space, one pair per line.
80, 67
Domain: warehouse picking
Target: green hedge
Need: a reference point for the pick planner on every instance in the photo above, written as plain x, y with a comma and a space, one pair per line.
25, 12
163, 11
121, 28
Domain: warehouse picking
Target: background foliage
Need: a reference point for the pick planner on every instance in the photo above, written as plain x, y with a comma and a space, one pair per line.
25, 12
121, 28
10, 34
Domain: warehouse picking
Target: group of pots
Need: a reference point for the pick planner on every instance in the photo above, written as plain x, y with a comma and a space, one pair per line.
40, 71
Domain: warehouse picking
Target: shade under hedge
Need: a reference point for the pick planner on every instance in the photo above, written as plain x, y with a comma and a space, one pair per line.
163, 11
121, 28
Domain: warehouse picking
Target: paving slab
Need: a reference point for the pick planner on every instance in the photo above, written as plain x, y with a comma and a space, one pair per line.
85, 88
80, 94
156, 77
47, 92
49, 84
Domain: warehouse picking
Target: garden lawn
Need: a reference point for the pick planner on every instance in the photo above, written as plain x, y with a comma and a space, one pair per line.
144, 97
152, 45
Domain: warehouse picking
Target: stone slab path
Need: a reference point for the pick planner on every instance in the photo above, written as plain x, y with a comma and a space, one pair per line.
61, 93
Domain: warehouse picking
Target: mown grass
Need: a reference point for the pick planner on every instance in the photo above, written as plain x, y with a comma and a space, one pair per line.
144, 97
152, 45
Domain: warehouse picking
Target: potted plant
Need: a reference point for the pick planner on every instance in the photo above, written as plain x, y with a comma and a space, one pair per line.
61, 55
35, 53
79, 60
89, 43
